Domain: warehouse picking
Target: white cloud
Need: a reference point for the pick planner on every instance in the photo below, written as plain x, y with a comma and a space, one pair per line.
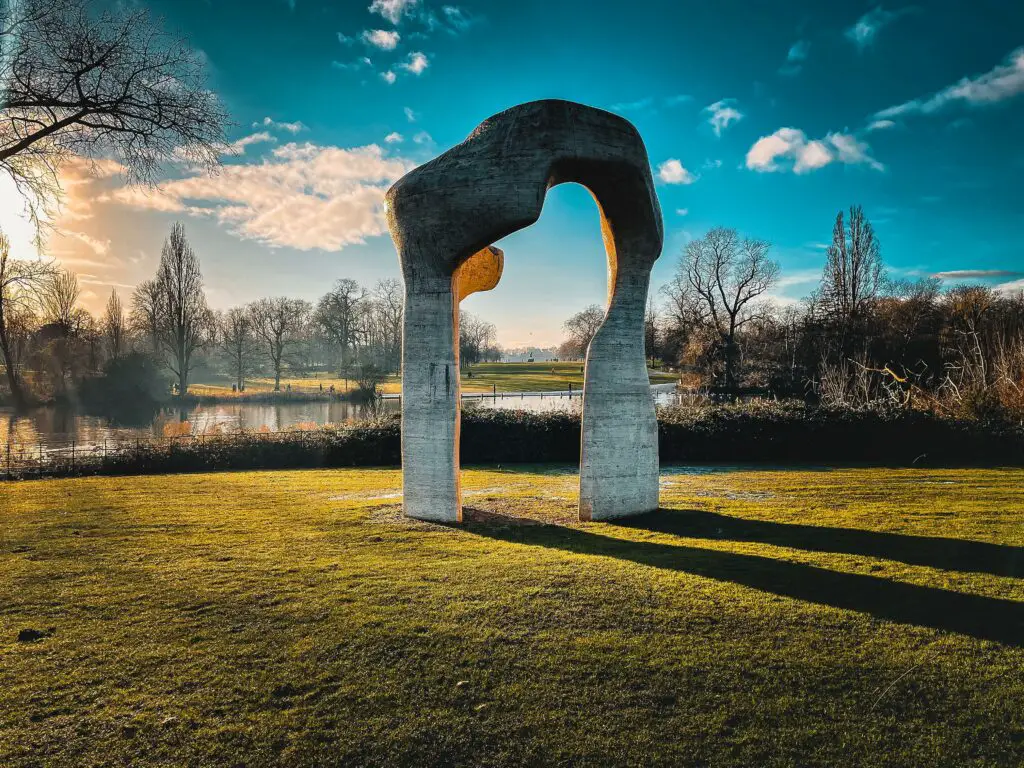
410, 115
302, 196
417, 63
381, 38
683, 211
276, 126
867, 27
393, 10
1002, 82
238, 147
806, 155
394, 138
672, 172
722, 115
345, 39
389, 77
423, 138
881, 125
1014, 286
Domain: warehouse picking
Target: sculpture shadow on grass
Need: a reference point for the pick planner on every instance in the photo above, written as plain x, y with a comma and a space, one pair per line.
930, 551
984, 618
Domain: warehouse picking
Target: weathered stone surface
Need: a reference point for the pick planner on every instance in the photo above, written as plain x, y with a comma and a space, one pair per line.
443, 217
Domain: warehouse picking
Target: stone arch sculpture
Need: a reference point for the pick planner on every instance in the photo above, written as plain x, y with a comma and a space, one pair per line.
443, 217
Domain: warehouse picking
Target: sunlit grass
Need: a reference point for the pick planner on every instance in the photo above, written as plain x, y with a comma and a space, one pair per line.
483, 377
834, 617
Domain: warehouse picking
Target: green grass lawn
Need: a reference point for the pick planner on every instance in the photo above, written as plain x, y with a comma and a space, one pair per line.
507, 377
763, 618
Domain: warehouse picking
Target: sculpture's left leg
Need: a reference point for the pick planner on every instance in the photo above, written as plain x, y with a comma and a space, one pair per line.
430, 402
619, 461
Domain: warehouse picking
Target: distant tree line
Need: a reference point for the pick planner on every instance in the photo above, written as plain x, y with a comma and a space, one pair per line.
50, 345
860, 338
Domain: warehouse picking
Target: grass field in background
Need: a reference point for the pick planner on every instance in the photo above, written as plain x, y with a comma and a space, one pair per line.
768, 618
507, 377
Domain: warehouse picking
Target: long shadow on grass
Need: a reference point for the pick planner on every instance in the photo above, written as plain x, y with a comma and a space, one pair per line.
934, 552
986, 618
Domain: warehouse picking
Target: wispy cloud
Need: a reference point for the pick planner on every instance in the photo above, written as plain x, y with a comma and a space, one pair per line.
362, 62
977, 274
389, 77
803, 155
393, 10
881, 125
458, 20
651, 103
238, 147
386, 40
867, 27
1002, 82
394, 138
423, 138
417, 62
272, 124
795, 58
672, 172
723, 114
97, 246
304, 196
409, 114
793, 277
682, 211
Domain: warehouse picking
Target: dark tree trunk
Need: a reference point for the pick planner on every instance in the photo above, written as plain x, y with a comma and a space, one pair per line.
13, 382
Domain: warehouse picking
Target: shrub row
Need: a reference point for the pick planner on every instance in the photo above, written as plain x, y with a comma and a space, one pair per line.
760, 434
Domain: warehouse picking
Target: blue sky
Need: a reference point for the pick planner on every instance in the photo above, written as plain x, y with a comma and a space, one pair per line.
767, 117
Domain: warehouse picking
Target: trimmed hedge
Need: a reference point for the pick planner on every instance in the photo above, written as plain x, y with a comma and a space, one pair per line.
772, 434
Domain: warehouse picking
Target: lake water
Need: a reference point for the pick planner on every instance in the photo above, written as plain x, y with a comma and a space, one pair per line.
53, 427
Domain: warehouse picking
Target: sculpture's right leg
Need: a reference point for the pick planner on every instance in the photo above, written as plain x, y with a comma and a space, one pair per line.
430, 402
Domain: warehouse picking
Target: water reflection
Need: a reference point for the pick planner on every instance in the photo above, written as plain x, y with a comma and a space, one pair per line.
53, 427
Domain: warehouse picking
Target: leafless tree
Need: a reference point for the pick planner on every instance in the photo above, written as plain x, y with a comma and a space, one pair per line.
339, 313
388, 308
20, 282
114, 326
580, 330
853, 274
145, 314
183, 316
59, 299
238, 343
720, 276
278, 323
475, 336
81, 81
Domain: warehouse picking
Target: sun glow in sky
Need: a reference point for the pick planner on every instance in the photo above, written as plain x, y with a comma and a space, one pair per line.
764, 117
